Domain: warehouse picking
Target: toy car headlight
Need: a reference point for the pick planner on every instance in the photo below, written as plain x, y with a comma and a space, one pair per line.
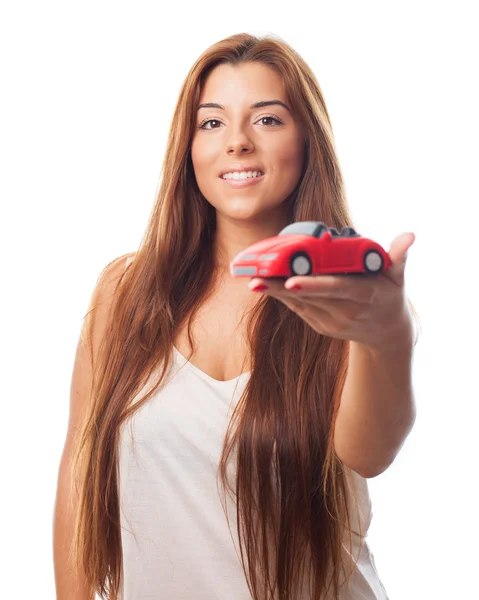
268, 256
247, 256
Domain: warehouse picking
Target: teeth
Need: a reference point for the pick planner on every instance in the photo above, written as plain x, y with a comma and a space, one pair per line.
242, 175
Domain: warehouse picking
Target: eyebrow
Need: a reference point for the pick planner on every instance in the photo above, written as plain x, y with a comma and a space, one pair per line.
255, 105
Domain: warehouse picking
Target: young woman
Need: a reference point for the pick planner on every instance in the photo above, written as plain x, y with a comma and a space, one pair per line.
200, 400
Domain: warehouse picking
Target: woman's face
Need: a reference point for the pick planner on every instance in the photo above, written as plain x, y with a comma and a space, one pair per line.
236, 135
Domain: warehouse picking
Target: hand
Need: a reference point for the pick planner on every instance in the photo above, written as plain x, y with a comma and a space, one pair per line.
370, 309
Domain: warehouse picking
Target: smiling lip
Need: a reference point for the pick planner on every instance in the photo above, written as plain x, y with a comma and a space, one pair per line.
241, 183
238, 168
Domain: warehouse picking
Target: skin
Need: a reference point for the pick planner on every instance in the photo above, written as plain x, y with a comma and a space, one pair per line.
240, 135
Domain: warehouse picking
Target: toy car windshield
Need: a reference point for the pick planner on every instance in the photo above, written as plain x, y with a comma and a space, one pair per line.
314, 228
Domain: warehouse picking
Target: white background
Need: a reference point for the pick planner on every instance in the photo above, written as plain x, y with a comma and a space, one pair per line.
87, 95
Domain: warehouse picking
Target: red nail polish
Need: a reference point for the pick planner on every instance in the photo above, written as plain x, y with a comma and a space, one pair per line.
259, 287
296, 286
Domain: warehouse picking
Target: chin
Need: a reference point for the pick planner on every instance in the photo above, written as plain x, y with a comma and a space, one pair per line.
238, 205
240, 214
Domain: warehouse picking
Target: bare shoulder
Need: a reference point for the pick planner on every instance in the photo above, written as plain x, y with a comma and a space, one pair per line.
129, 258
115, 269
101, 300
109, 278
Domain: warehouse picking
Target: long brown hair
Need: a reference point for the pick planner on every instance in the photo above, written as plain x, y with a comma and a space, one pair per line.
291, 489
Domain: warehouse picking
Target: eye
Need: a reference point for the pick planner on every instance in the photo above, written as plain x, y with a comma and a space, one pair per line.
278, 121
202, 125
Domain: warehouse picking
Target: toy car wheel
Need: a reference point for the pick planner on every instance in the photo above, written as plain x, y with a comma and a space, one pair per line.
301, 264
373, 261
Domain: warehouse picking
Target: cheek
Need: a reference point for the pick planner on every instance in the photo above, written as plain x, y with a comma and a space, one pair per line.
203, 150
289, 159
290, 150
204, 160
199, 156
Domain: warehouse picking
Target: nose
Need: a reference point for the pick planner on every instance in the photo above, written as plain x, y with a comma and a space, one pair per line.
239, 143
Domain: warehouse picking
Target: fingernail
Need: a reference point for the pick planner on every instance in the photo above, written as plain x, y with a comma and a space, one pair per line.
259, 287
296, 286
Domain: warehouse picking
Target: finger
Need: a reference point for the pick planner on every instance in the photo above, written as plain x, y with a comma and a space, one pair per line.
398, 253
357, 289
321, 286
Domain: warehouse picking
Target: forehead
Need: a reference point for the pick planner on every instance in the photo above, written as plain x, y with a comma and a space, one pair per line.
249, 82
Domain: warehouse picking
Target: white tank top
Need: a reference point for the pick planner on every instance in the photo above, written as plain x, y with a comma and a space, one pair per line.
175, 537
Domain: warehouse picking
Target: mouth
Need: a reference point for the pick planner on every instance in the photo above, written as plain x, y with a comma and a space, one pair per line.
241, 180
241, 175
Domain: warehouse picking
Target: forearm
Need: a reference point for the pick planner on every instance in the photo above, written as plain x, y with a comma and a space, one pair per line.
377, 410
69, 585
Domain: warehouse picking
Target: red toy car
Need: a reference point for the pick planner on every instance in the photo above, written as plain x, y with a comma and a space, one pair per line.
310, 248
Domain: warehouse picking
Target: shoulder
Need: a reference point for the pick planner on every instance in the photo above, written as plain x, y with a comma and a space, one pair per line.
115, 268
111, 275
129, 258
103, 295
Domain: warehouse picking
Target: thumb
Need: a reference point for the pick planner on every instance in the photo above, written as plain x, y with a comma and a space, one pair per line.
398, 253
